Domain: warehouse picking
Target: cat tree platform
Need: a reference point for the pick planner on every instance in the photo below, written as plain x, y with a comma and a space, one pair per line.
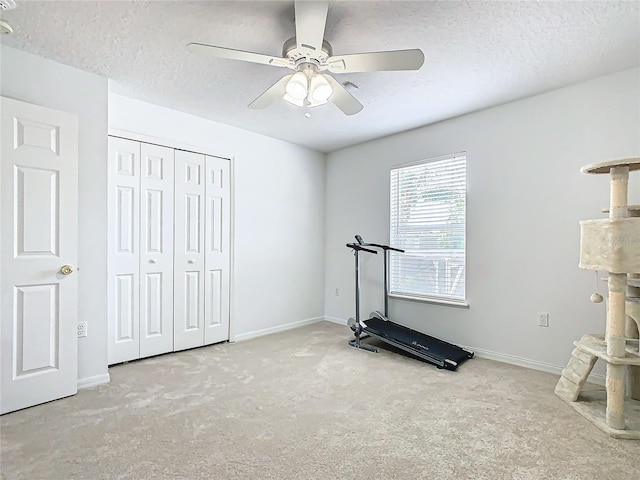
592, 404
590, 400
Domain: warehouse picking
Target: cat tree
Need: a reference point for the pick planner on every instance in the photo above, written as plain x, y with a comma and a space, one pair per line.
612, 245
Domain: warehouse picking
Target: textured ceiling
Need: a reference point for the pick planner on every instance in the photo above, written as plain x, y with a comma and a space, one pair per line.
477, 54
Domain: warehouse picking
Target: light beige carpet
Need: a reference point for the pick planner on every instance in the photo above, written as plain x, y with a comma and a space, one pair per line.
303, 405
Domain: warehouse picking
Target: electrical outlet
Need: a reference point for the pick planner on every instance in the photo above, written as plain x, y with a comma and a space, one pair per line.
337, 292
543, 319
82, 329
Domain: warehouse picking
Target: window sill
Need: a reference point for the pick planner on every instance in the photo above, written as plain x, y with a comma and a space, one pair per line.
435, 301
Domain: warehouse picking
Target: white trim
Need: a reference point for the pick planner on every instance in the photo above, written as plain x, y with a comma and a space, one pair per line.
93, 381
339, 321
279, 328
232, 249
433, 300
505, 358
532, 364
480, 353
163, 142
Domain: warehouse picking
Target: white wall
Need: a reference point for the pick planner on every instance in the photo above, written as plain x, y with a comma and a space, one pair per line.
526, 196
278, 277
39, 81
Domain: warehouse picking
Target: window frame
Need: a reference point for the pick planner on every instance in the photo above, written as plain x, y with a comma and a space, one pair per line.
460, 301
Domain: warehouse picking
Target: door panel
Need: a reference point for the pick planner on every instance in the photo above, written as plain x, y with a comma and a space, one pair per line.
217, 241
156, 256
38, 216
193, 236
153, 305
124, 256
189, 251
125, 308
192, 302
215, 293
36, 208
126, 215
36, 323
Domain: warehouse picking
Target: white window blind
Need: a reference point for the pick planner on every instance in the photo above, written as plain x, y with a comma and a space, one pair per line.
428, 217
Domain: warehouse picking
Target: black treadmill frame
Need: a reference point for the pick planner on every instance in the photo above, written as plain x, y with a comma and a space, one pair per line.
450, 360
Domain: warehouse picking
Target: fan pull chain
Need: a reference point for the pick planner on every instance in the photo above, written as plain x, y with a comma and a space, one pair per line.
307, 102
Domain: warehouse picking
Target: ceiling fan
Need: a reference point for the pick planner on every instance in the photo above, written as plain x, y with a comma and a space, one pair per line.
308, 54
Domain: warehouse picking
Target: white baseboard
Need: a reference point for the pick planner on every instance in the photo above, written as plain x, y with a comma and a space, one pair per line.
279, 328
527, 363
505, 358
339, 321
93, 381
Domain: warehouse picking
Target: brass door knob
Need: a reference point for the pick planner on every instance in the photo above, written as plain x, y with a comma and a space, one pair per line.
66, 270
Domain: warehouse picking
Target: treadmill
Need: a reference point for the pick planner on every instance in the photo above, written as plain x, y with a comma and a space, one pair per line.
438, 352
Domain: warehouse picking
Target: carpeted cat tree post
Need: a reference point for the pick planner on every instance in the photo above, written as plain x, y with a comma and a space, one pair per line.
611, 245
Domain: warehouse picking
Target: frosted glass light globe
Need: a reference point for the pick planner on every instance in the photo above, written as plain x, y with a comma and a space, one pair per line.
297, 86
320, 89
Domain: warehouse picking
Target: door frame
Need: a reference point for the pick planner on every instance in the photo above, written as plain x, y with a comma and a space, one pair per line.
175, 144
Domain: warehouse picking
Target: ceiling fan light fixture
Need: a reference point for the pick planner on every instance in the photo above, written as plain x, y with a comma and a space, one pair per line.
297, 86
320, 89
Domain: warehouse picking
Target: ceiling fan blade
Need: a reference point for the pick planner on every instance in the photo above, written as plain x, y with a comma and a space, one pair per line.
275, 91
377, 61
222, 52
311, 18
341, 98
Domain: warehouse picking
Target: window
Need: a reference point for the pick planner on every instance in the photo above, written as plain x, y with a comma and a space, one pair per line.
428, 217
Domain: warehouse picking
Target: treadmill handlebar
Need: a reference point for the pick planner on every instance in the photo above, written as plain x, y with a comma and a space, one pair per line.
384, 247
387, 247
357, 246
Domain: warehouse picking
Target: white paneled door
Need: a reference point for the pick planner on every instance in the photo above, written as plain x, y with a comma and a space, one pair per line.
189, 250
202, 249
156, 250
217, 239
140, 250
124, 250
169, 249
38, 254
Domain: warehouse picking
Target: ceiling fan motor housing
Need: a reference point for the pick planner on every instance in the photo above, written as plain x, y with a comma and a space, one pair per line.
291, 51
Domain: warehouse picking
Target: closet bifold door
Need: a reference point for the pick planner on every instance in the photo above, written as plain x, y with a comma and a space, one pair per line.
189, 250
124, 250
156, 249
217, 246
